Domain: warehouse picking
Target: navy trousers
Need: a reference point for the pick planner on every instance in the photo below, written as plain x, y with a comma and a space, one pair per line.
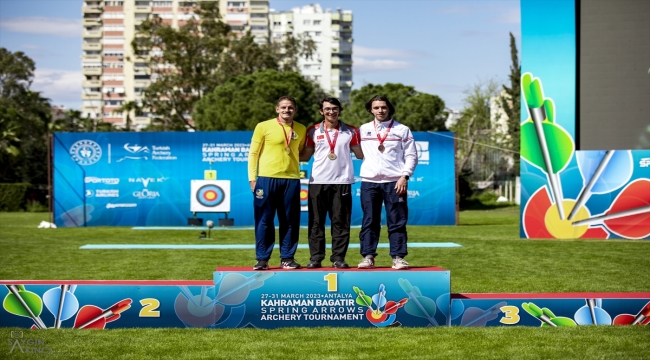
273, 195
372, 197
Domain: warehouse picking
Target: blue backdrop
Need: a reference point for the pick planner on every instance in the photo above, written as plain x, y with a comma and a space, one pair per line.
143, 179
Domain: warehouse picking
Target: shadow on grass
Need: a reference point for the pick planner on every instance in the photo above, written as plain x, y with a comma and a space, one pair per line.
478, 205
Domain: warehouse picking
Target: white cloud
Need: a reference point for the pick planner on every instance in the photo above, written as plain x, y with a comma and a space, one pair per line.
512, 16
60, 86
367, 52
363, 65
43, 25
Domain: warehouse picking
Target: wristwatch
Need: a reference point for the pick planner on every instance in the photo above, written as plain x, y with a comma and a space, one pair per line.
406, 177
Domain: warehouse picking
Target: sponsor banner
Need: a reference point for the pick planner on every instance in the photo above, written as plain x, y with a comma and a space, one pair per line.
550, 310
144, 179
567, 193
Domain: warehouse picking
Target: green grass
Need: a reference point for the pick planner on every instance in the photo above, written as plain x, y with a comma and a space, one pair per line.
492, 259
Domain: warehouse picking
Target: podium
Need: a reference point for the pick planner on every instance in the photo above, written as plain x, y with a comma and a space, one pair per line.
379, 297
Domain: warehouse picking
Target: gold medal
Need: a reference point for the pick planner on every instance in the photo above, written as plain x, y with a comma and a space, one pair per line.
287, 150
331, 156
381, 147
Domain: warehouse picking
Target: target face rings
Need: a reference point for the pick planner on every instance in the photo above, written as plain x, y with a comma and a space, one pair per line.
210, 195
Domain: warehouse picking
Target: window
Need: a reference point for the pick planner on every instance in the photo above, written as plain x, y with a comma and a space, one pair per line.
141, 77
259, 27
113, 77
307, 66
316, 22
306, 22
258, 15
113, 27
277, 23
164, 15
259, 3
113, 3
113, 40
237, 4
162, 3
142, 3
113, 65
113, 15
317, 33
114, 53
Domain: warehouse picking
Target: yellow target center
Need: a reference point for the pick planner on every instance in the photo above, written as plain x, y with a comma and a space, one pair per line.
564, 229
210, 196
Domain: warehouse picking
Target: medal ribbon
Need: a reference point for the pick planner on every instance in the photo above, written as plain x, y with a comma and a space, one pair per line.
287, 139
381, 140
327, 134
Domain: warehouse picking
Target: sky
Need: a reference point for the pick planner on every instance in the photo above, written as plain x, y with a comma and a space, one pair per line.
440, 47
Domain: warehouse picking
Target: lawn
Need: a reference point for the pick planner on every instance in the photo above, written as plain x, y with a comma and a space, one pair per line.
492, 259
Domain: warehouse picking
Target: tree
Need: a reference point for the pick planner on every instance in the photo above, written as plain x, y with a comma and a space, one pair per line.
24, 115
419, 111
189, 62
475, 122
512, 102
73, 121
245, 100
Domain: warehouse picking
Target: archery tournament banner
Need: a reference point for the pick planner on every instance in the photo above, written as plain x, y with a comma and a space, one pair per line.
144, 179
262, 299
550, 310
567, 193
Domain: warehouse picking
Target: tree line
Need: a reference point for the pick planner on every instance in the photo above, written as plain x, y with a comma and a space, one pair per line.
205, 77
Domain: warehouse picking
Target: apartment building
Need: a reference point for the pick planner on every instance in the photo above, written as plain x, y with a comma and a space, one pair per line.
331, 65
110, 26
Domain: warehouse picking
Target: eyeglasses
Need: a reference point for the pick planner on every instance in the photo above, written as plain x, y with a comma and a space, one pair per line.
334, 110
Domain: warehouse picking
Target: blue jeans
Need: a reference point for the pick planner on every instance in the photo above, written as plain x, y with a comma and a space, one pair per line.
273, 195
372, 197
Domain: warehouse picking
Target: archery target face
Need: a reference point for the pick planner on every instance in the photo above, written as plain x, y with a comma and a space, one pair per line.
304, 194
210, 196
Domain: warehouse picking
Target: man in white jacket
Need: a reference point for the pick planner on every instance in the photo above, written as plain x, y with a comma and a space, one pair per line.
389, 160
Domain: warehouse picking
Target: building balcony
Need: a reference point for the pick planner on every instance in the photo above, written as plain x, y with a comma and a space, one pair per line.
92, 21
143, 9
91, 58
339, 61
141, 58
346, 84
335, 27
141, 119
141, 83
93, 34
92, 71
346, 28
139, 21
90, 9
141, 70
91, 46
92, 83
346, 17
91, 96
260, 9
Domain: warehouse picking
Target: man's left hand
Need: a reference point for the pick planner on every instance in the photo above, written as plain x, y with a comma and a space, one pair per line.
401, 185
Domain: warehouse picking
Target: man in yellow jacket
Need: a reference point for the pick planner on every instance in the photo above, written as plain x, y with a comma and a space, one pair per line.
274, 177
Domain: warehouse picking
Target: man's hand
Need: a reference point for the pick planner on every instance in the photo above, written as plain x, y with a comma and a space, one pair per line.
252, 184
401, 185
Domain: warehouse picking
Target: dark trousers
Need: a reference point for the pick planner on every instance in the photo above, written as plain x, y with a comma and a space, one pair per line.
372, 197
273, 195
335, 200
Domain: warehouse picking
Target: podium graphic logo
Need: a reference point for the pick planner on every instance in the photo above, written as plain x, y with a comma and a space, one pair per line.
86, 152
90, 193
139, 152
380, 311
423, 150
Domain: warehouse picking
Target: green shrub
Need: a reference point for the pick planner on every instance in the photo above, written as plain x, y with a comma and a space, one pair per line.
35, 206
12, 196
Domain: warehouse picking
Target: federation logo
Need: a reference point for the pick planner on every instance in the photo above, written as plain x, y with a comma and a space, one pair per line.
259, 193
135, 150
294, 135
423, 150
210, 195
86, 152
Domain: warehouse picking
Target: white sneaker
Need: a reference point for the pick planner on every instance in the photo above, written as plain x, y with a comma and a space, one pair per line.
367, 263
400, 264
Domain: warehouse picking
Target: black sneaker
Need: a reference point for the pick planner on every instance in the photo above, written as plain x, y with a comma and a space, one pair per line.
313, 264
261, 265
289, 264
340, 264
